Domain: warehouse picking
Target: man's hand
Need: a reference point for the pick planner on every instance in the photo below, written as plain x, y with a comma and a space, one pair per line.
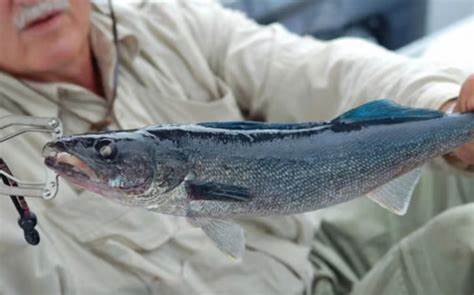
465, 103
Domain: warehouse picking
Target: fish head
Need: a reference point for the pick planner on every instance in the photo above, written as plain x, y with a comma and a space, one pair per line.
117, 165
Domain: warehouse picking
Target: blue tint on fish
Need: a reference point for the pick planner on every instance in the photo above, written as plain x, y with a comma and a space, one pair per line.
386, 111
209, 172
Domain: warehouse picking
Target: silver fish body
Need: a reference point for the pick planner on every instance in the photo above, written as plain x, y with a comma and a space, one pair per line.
299, 171
212, 171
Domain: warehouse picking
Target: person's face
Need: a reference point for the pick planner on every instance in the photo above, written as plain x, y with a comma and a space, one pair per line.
38, 36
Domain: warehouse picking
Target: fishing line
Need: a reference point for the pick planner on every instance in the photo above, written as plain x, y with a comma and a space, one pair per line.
110, 115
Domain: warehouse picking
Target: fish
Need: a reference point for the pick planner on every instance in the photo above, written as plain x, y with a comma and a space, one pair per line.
212, 172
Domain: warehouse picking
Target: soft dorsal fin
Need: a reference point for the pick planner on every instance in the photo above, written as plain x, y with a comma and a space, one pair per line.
253, 125
386, 111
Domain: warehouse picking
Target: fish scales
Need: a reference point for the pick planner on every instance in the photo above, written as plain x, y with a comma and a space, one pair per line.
312, 172
209, 172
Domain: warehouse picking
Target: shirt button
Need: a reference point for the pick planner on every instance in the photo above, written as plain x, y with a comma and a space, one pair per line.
62, 93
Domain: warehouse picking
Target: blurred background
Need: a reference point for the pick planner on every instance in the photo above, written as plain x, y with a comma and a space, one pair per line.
390, 23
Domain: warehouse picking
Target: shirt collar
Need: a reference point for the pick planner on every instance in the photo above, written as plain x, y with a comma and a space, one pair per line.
101, 23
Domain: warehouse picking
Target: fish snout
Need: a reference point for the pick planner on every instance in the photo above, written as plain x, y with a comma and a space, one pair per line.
58, 157
51, 149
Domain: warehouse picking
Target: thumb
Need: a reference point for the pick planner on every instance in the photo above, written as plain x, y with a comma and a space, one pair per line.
465, 102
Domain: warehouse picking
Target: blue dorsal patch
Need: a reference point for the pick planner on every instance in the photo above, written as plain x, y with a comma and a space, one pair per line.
252, 125
386, 111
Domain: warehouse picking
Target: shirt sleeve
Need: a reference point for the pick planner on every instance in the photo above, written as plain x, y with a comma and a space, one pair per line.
277, 75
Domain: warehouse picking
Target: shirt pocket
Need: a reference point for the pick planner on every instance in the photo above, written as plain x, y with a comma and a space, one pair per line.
147, 108
122, 235
88, 218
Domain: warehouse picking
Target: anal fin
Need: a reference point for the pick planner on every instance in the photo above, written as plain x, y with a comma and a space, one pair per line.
228, 236
396, 195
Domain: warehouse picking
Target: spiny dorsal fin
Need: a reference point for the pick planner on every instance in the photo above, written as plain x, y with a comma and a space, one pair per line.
386, 111
396, 195
261, 126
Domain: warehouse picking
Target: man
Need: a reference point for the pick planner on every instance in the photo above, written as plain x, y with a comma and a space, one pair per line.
189, 61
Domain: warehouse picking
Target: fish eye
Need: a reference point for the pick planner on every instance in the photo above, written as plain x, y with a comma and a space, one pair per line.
106, 149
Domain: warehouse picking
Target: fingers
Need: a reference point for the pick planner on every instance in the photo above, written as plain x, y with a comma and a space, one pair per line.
465, 102
466, 154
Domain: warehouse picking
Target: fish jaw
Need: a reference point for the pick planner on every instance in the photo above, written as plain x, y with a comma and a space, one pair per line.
72, 168
75, 158
83, 177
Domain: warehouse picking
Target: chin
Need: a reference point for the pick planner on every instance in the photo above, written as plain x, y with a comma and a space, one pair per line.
59, 51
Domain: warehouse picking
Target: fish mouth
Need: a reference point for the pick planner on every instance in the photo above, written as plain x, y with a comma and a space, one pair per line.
68, 165
79, 173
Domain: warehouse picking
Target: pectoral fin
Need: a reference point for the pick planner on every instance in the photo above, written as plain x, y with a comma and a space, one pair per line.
211, 191
228, 236
396, 195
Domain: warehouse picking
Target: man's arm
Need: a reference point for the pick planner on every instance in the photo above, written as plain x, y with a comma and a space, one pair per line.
277, 75
281, 76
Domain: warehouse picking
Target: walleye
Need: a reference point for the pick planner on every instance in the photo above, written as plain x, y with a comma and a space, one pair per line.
210, 172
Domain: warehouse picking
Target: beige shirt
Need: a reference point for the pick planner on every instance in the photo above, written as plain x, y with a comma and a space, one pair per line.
188, 61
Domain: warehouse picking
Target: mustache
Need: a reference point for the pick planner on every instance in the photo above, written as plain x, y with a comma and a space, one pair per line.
28, 14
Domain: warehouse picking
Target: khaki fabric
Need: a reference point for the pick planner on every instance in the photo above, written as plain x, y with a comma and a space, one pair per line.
190, 61
427, 251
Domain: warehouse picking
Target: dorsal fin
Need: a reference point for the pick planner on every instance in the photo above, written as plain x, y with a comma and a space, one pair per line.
253, 125
386, 111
